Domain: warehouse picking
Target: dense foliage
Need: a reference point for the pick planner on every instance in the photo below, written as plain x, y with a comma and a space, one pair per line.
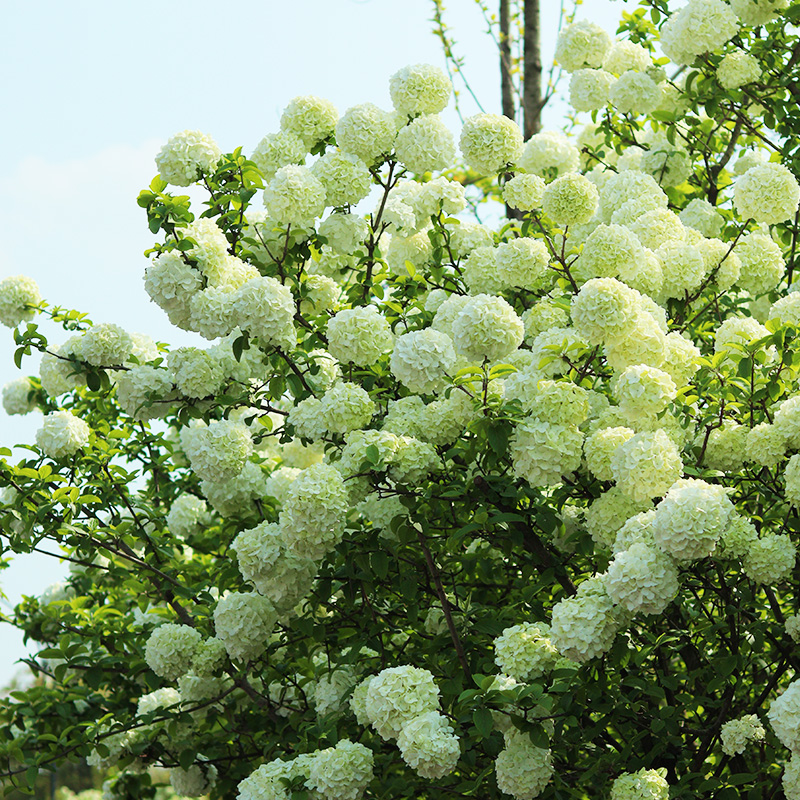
446, 507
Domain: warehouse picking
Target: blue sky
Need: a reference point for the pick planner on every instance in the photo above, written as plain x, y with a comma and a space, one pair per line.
93, 89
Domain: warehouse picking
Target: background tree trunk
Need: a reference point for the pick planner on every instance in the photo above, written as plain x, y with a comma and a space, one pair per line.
506, 86
532, 73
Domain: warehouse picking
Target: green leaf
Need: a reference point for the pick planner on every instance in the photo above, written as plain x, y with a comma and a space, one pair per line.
484, 722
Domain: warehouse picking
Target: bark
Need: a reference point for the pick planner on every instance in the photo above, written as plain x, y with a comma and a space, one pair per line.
506, 87
532, 74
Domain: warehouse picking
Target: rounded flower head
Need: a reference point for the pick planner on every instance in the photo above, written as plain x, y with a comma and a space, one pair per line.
186, 156
604, 310
244, 622
589, 89
582, 44
421, 359
19, 295
277, 150
737, 733
667, 162
784, 716
314, 512
522, 769
584, 626
521, 262
757, 12
310, 118
542, 453
489, 142
346, 178
170, 650
420, 89
344, 232
691, 518
549, 154
768, 193
429, 746
425, 145
646, 465
738, 69
524, 192
701, 26
703, 217
219, 451
770, 559
397, 695
341, 772
366, 131
295, 196
646, 784
624, 56
641, 390
274, 570
635, 93
610, 250
525, 651
18, 396
265, 308
570, 200
360, 335
487, 327
186, 515
599, 449
642, 579
62, 434
346, 407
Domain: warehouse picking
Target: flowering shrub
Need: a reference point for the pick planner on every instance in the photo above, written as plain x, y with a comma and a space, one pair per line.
445, 506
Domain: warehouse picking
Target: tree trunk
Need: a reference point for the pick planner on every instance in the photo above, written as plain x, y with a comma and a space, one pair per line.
532, 74
506, 87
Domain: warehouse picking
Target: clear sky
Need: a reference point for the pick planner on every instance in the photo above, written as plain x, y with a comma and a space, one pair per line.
93, 89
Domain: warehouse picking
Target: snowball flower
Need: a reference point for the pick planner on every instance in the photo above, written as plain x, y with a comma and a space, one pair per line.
700, 26
420, 89
604, 310
570, 200
345, 407
243, 622
314, 512
360, 335
219, 451
582, 44
641, 390
425, 145
489, 142
584, 625
635, 93
549, 154
186, 515
62, 434
757, 12
310, 118
642, 579
19, 295
589, 89
784, 716
524, 192
295, 196
487, 327
522, 769
646, 784
397, 695
429, 746
525, 651
170, 650
345, 177
421, 359
366, 131
265, 308
18, 397
770, 559
341, 772
276, 150
186, 156
646, 465
691, 518
736, 733
737, 69
599, 448
542, 453
767, 193
194, 781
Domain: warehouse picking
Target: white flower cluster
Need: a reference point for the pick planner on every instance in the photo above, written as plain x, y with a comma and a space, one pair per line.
186, 156
170, 650
19, 297
522, 769
737, 733
646, 784
62, 434
243, 622
525, 651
